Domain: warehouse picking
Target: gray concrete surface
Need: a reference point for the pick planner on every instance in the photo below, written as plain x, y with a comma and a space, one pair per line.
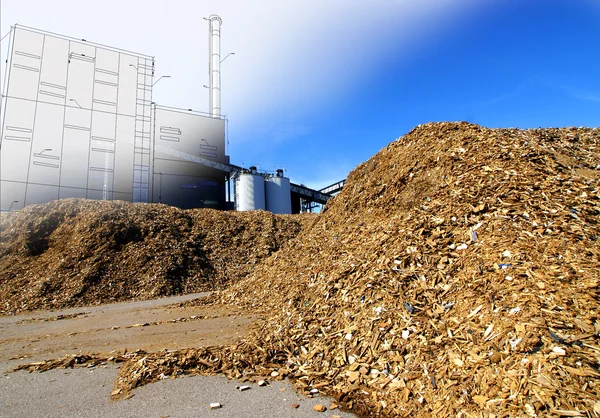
86, 393
115, 307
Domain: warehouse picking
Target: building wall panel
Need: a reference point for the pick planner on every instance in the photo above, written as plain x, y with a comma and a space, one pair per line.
71, 126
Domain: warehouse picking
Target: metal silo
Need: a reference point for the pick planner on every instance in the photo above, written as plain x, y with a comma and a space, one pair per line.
250, 191
278, 196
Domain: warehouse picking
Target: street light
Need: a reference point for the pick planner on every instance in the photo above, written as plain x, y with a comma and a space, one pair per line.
47, 149
131, 65
73, 100
11, 205
226, 56
160, 78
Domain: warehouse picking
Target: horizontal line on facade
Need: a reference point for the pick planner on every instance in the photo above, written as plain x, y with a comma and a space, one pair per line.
102, 70
82, 57
100, 138
81, 128
48, 93
72, 107
24, 67
27, 54
17, 138
106, 83
109, 151
46, 164
170, 130
104, 170
50, 157
15, 128
56, 86
169, 138
63, 187
135, 55
104, 102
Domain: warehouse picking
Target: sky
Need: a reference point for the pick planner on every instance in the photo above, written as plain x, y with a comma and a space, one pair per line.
318, 86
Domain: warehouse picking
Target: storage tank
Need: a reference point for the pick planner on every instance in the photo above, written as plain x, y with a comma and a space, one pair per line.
278, 196
249, 191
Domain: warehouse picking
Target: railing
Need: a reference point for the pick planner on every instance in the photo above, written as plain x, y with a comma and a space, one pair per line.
334, 188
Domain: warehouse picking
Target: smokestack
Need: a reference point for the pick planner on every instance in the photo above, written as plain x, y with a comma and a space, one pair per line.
214, 66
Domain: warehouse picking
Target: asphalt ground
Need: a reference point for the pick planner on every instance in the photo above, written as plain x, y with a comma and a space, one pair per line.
85, 392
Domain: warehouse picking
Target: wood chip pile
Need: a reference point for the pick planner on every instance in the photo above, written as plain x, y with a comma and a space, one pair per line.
455, 275
78, 252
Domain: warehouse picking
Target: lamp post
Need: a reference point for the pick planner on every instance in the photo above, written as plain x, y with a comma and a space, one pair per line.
11, 205
73, 100
231, 53
160, 78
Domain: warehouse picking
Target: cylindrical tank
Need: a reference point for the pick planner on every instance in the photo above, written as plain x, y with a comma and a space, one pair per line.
214, 34
249, 192
278, 196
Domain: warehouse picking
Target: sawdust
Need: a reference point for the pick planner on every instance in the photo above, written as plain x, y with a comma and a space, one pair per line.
78, 252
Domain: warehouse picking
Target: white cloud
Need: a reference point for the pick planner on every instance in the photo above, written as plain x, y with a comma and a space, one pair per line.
290, 56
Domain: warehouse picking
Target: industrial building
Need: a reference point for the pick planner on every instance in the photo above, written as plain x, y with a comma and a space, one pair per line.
78, 121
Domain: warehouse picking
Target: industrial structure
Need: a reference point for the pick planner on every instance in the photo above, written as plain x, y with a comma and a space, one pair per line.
78, 120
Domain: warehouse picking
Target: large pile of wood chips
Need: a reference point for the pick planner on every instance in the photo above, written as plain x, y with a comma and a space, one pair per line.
79, 252
455, 275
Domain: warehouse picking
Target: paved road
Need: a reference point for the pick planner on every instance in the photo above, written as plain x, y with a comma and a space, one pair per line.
146, 325
85, 392
107, 308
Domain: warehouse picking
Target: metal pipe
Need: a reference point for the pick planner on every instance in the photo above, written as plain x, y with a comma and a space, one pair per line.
214, 69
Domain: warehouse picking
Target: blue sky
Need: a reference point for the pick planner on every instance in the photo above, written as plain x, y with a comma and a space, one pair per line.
318, 86
515, 63
511, 63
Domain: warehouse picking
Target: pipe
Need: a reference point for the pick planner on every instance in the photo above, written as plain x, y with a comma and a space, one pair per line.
214, 68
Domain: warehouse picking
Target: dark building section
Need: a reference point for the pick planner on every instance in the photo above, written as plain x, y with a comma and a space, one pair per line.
182, 139
187, 192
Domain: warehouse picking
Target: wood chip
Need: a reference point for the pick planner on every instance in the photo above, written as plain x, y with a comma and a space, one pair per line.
320, 408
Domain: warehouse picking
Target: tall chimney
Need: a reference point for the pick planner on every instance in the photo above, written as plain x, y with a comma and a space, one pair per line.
214, 66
